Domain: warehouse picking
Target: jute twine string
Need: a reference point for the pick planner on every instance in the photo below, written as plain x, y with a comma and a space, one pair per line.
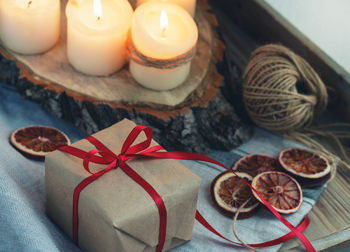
234, 228
171, 63
281, 91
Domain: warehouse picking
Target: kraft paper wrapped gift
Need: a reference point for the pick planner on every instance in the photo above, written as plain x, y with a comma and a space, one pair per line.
115, 213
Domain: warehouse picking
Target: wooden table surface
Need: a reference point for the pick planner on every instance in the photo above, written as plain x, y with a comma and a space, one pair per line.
330, 217
329, 229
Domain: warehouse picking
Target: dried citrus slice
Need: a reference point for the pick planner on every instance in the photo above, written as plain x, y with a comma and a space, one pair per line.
311, 183
37, 141
280, 190
256, 163
229, 192
304, 163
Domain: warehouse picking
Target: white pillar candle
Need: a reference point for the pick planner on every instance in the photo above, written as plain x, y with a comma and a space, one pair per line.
189, 5
29, 27
97, 32
162, 31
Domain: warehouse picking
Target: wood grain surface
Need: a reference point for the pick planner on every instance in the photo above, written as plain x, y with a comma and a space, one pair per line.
245, 26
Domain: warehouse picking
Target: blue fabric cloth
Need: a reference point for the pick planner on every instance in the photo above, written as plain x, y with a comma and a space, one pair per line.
24, 225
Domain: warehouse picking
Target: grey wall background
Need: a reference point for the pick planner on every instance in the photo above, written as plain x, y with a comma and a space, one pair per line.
325, 22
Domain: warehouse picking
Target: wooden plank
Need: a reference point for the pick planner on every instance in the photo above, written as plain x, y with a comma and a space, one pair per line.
265, 25
331, 213
336, 242
240, 31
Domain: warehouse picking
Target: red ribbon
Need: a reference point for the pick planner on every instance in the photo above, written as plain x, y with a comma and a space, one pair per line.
103, 155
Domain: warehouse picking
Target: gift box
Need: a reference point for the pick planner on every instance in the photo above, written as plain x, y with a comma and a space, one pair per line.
115, 213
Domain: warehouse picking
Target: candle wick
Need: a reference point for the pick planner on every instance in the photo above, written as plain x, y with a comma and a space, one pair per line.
98, 18
29, 3
163, 31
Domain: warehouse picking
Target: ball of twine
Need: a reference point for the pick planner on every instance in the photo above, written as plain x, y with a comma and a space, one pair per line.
281, 91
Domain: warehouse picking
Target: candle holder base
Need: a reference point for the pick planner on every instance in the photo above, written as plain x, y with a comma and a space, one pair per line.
196, 116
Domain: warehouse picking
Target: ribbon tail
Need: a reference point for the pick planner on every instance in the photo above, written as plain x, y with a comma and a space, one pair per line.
303, 225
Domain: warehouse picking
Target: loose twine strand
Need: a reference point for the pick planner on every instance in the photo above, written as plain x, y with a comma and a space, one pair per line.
234, 228
171, 63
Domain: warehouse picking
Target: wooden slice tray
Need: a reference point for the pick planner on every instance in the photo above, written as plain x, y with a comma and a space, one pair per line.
193, 117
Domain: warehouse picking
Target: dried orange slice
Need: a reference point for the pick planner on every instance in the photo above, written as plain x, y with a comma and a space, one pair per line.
37, 141
229, 192
256, 163
279, 189
311, 183
304, 163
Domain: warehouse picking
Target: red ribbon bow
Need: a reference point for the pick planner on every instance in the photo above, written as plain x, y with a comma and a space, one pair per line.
103, 155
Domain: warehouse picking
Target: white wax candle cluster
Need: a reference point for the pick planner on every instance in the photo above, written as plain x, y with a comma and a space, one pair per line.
98, 35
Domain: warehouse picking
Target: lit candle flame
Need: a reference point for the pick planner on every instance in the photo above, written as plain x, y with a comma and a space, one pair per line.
29, 4
98, 9
164, 23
